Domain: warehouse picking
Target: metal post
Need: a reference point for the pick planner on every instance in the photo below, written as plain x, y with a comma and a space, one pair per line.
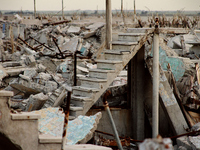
134, 16
106, 106
108, 24
66, 111
155, 103
75, 59
62, 10
34, 9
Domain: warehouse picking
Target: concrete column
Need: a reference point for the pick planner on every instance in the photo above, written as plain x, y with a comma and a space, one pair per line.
155, 102
136, 75
108, 24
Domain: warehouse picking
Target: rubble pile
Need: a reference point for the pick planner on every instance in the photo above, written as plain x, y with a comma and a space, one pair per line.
37, 59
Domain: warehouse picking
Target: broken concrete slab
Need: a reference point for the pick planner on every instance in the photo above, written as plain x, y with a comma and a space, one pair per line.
169, 102
95, 26
74, 30
3, 72
195, 142
52, 120
36, 102
183, 141
71, 45
60, 100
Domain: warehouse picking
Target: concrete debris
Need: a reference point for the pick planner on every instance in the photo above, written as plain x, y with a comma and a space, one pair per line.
37, 64
36, 102
188, 142
52, 120
158, 143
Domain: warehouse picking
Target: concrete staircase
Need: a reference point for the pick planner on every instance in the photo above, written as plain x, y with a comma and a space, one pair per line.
22, 128
19, 131
93, 86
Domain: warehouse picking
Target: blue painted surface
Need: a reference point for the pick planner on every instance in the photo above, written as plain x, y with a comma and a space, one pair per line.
177, 65
52, 120
4, 28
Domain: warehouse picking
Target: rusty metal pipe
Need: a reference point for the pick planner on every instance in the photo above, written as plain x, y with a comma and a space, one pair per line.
66, 111
106, 106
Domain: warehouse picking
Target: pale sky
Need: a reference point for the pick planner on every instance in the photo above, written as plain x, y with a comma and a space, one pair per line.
159, 5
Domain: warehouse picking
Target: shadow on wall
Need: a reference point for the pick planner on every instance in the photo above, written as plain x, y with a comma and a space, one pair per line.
6, 144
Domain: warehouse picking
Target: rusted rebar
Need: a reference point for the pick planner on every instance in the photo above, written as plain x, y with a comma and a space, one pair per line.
66, 111
41, 43
54, 39
25, 43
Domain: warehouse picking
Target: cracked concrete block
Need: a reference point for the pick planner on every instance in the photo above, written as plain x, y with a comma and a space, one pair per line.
30, 73
50, 86
41, 68
71, 45
60, 40
183, 141
59, 101
26, 87
36, 102
45, 76
196, 127
182, 148
30, 61
43, 38
74, 30
195, 142
2, 72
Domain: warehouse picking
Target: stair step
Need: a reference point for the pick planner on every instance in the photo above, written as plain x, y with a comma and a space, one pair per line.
44, 139
72, 117
116, 54
84, 91
76, 111
128, 43
25, 116
134, 37
125, 45
92, 82
99, 73
108, 64
80, 101
80, 98
76, 108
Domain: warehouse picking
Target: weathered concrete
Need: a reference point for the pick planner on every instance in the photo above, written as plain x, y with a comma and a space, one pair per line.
17, 130
183, 141
136, 96
121, 117
36, 102
169, 103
